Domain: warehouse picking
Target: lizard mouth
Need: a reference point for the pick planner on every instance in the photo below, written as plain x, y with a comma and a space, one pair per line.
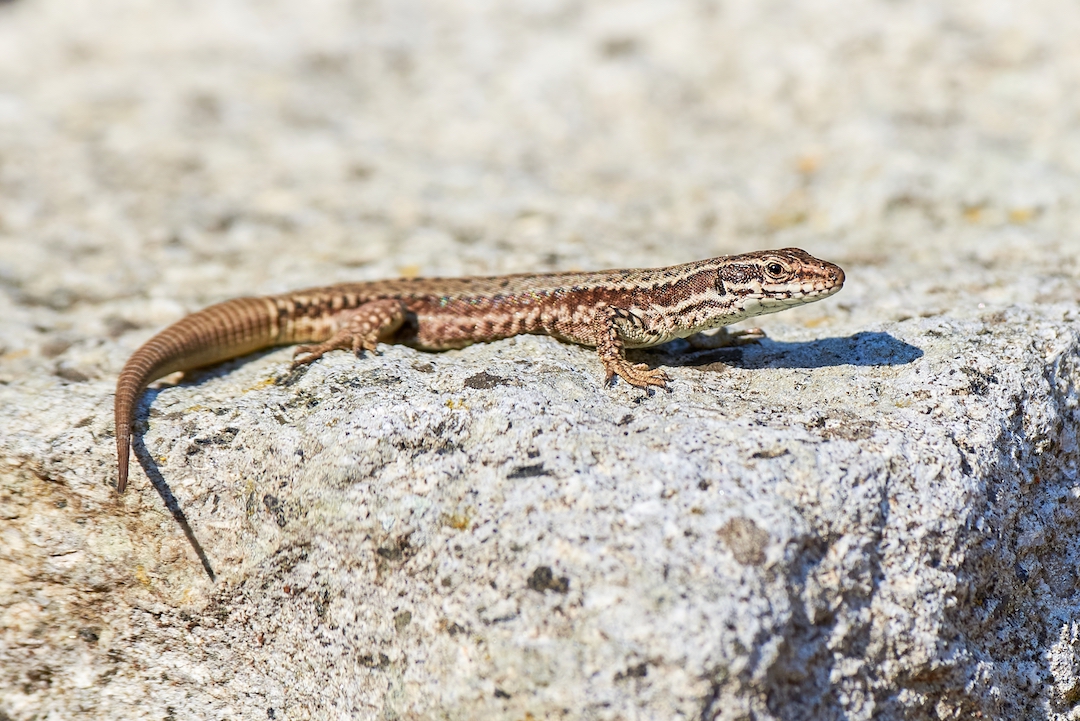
799, 297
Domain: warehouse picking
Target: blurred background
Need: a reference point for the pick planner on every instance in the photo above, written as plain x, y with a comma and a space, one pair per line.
157, 156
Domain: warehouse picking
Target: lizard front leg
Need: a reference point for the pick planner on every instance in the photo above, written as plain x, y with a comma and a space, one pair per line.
725, 338
610, 346
356, 330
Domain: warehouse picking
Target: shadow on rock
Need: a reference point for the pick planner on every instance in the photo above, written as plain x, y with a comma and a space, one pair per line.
861, 349
158, 481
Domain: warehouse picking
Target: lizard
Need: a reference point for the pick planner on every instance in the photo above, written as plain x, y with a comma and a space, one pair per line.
610, 310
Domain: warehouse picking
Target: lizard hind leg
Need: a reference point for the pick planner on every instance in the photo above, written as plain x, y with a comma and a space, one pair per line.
359, 329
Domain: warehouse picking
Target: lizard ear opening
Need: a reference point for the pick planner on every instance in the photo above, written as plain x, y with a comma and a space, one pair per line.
720, 289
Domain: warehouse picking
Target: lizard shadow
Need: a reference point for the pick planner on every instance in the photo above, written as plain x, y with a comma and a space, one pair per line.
871, 348
194, 376
158, 481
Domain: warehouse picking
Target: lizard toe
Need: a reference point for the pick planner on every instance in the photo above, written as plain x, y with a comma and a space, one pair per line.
642, 376
311, 354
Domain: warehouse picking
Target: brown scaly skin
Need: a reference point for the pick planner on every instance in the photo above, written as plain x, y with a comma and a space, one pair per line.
610, 310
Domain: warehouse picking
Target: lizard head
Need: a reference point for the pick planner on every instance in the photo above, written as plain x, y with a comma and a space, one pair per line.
771, 280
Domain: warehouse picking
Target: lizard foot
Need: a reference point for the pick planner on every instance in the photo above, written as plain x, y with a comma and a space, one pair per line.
358, 330
639, 374
344, 340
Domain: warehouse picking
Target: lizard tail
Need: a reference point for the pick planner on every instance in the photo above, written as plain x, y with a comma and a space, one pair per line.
223, 331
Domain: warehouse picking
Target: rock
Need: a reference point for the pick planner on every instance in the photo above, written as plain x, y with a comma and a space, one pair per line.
870, 514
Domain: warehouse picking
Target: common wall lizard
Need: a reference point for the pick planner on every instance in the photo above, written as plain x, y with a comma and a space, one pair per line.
610, 310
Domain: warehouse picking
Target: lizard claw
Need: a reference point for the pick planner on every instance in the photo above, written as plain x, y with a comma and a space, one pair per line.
640, 375
313, 353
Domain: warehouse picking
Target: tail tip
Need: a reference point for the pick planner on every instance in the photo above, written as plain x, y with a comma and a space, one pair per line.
122, 466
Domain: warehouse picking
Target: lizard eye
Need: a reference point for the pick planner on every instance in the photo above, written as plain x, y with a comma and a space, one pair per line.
775, 269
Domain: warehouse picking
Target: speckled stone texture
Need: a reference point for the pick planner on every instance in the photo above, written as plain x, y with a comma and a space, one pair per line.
871, 514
